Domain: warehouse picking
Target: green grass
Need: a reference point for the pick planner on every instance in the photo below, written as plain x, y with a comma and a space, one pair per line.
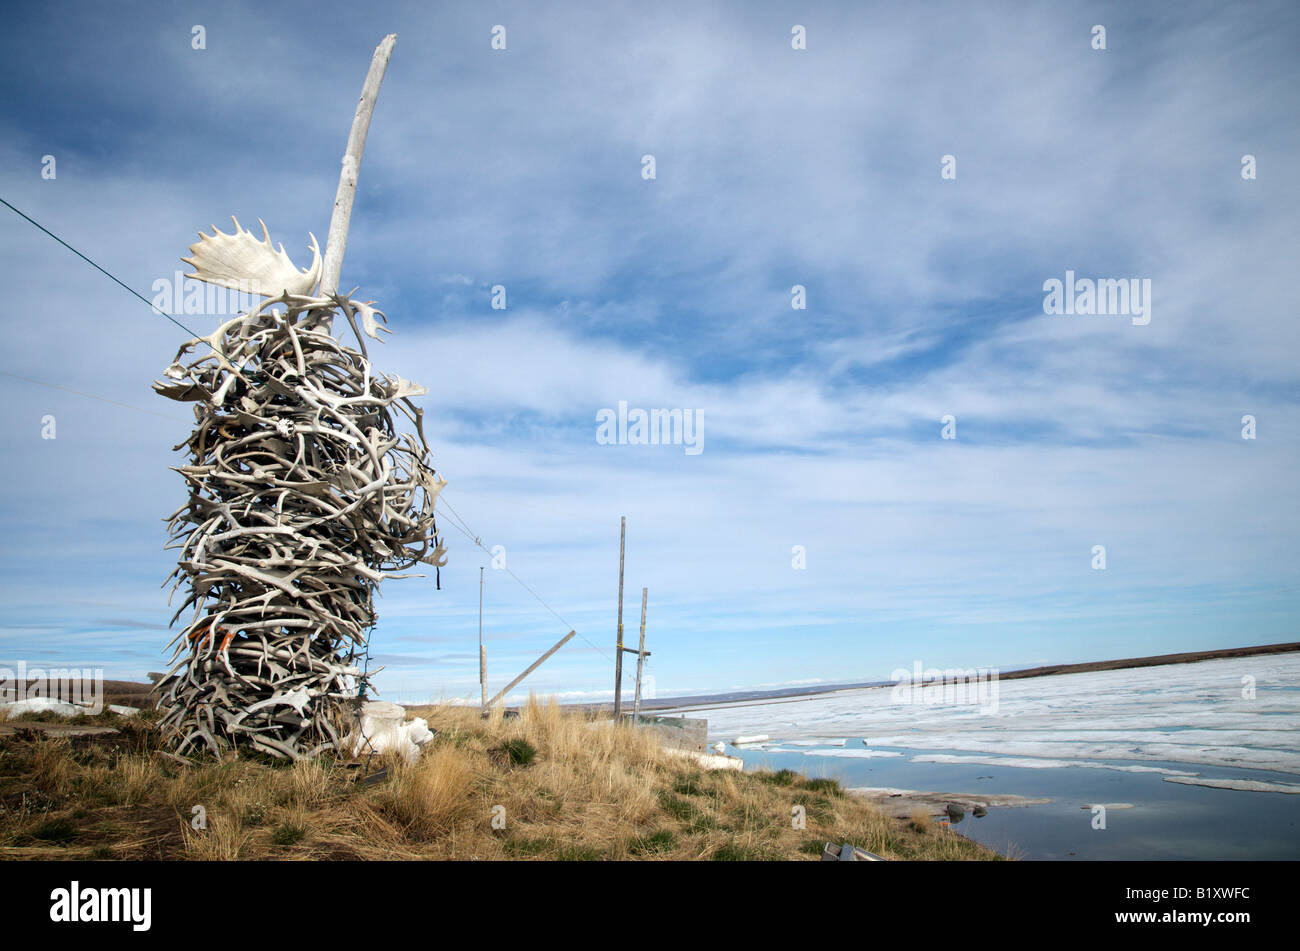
578, 853
689, 786
782, 777
541, 846
519, 751
829, 786
55, 830
287, 834
653, 844
790, 778
702, 823
735, 852
680, 809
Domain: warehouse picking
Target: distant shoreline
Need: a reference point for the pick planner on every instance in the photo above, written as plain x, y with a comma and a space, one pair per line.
794, 693
131, 693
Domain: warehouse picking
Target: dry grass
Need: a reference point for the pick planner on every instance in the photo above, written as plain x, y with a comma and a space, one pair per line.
427, 799
549, 784
921, 821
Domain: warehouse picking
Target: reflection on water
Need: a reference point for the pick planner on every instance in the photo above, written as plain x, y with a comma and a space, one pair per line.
1167, 821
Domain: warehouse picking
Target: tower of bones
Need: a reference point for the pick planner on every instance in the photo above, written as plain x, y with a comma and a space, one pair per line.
309, 482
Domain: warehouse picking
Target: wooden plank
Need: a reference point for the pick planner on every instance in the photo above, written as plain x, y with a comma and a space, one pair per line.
531, 667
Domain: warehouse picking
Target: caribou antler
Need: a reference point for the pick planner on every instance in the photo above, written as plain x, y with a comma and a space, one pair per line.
303, 497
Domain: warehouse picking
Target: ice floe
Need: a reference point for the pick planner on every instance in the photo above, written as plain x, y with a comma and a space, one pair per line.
848, 753
1033, 762
1238, 713
816, 743
1251, 785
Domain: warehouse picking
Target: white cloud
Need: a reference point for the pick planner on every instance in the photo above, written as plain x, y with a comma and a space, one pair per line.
821, 426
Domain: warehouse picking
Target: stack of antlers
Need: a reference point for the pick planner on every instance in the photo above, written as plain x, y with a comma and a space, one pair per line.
303, 496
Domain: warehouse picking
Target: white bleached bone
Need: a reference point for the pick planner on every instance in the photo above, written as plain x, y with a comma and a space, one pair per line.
381, 727
404, 388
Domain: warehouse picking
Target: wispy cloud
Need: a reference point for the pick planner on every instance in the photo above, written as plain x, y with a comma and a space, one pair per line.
775, 168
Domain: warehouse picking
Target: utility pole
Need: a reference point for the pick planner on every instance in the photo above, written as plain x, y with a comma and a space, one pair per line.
640, 657
482, 654
618, 653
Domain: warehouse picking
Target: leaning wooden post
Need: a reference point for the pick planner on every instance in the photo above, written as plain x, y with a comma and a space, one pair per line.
618, 652
531, 667
337, 241
640, 657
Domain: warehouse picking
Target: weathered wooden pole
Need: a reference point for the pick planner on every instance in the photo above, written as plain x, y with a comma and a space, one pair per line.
482, 652
482, 676
618, 652
531, 667
337, 241
640, 657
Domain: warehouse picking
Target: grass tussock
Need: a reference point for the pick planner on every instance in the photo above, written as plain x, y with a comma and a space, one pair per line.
548, 785
427, 798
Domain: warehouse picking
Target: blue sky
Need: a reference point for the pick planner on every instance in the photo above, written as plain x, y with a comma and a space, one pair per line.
822, 427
